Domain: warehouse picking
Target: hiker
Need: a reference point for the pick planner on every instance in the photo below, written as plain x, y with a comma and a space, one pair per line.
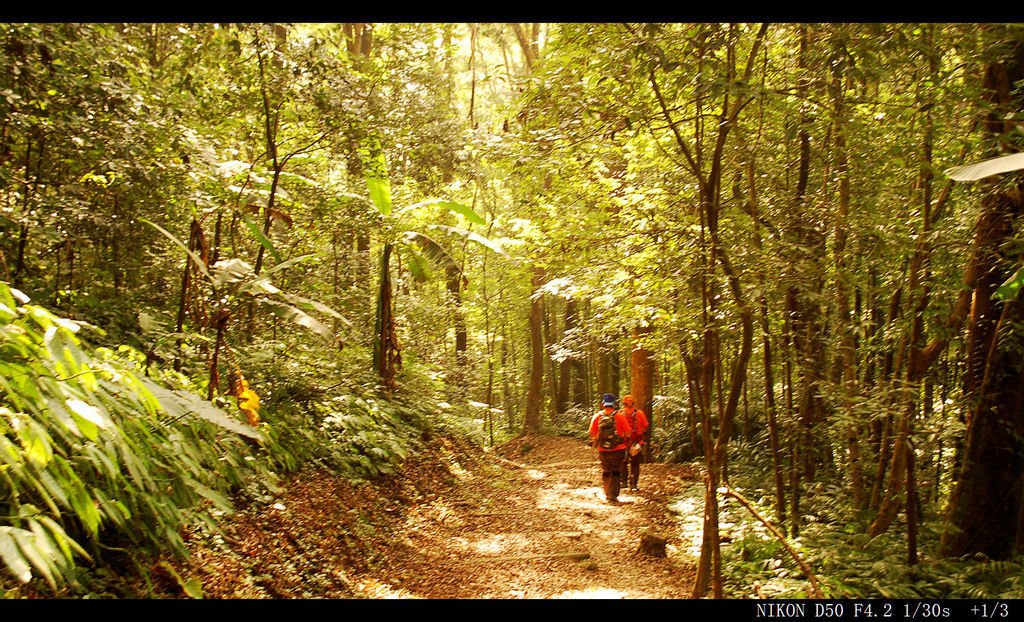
635, 443
608, 433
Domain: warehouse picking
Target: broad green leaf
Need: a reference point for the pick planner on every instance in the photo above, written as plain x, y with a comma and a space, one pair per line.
380, 194
474, 237
306, 303
86, 510
418, 266
36, 443
6, 312
1010, 288
193, 588
433, 251
463, 210
181, 403
7, 298
300, 317
13, 557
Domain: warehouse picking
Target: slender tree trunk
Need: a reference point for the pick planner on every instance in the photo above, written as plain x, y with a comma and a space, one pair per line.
709, 184
531, 419
386, 357
642, 380
847, 345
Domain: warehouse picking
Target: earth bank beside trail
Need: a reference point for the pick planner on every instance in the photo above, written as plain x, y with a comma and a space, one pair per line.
526, 520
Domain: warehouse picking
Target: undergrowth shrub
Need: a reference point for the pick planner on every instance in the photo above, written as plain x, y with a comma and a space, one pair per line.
833, 542
94, 456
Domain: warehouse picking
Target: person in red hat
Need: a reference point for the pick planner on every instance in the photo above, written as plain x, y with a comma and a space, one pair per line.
635, 443
609, 432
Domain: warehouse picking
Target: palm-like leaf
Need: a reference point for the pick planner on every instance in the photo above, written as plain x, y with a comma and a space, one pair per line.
463, 210
474, 237
300, 317
986, 168
433, 251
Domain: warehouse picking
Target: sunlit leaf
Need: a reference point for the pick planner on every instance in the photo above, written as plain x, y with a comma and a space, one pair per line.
380, 194
293, 314
67, 545
261, 285
474, 237
463, 210
147, 322
182, 403
84, 507
306, 303
38, 552
986, 168
230, 271
12, 556
89, 412
36, 443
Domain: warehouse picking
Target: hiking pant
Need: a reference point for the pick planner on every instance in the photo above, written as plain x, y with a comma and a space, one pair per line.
611, 472
631, 470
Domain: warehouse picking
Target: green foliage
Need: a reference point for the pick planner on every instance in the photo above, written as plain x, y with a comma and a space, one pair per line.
833, 542
93, 454
329, 414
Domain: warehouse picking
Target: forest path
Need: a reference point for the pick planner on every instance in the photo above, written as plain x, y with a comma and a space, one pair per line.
526, 520
539, 527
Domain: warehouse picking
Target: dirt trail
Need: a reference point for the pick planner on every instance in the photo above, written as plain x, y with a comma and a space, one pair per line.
527, 520
539, 528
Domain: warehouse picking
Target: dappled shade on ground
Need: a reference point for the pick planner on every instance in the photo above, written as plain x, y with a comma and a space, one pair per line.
527, 520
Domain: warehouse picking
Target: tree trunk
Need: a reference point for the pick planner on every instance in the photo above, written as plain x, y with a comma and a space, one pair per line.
641, 382
386, 357
985, 507
531, 419
847, 343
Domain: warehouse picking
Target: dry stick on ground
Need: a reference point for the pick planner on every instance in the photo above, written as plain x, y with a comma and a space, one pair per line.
729, 492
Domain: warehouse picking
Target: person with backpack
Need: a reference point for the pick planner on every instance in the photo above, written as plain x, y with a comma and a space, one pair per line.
609, 430
635, 443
